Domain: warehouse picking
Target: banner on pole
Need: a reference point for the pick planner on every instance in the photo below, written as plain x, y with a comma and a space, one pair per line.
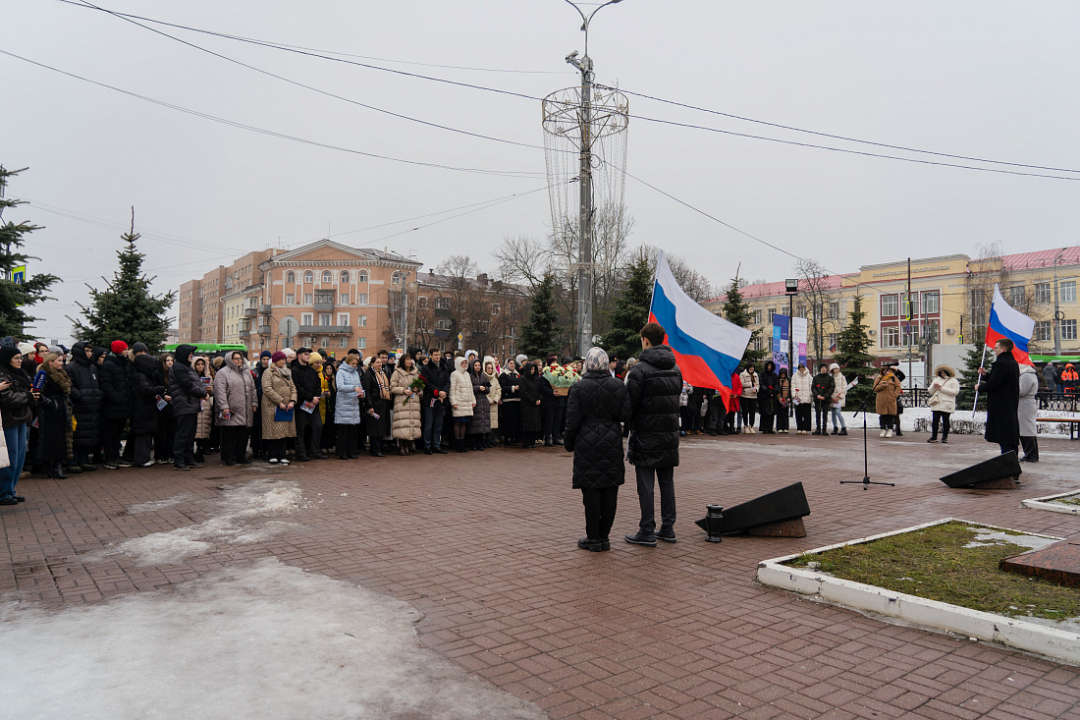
780, 343
798, 342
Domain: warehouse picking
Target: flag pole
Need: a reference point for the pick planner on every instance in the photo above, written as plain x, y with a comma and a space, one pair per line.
982, 364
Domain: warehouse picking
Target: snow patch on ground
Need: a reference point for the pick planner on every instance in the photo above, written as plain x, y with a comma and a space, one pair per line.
156, 505
984, 536
248, 515
247, 642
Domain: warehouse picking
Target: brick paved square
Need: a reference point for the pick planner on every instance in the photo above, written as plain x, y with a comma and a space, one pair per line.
483, 546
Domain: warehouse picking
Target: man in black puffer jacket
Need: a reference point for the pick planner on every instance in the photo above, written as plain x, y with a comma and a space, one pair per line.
308, 389
187, 395
655, 384
86, 400
116, 379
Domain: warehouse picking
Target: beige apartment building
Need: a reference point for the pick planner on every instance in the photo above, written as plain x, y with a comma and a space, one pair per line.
950, 300
208, 312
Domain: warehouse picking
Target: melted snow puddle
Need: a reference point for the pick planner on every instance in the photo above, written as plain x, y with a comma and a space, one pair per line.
984, 536
248, 642
249, 515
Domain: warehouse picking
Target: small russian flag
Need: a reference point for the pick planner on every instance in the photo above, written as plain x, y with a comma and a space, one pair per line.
1008, 322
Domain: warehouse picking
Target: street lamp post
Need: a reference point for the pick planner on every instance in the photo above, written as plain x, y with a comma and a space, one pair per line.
586, 210
1057, 308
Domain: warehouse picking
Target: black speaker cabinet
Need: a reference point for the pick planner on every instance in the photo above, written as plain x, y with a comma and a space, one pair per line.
778, 513
998, 472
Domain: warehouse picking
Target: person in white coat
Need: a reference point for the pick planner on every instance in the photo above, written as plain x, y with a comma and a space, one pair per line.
943, 391
801, 396
839, 396
751, 383
462, 401
1026, 412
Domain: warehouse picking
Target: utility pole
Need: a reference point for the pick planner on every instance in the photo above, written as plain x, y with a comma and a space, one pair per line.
907, 313
586, 209
1057, 308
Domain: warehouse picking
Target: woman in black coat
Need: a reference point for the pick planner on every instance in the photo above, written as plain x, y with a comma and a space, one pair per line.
767, 395
17, 402
144, 409
377, 404
510, 421
480, 424
1001, 385
54, 416
86, 399
529, 392
597, 406
166, 427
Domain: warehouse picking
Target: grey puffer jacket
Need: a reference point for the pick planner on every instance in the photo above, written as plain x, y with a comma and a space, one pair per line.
234, 390
654, 384
184, 383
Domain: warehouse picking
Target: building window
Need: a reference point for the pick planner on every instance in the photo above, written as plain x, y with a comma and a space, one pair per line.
910, 334
833, 339
309, 277
890, 307
890, 336
327, 277
772, 313
834, 311
931, 303
800, 310
307, 299
1043, 294
395, 279
290, 299
422, 302
344, 298
343, 342
306, 319
1043, 331
343, 319
325, 342
324, 319
361, 343
495, 308
1067, 292
361, 298
361, 277
442, 303
1016, 295
1068, 329
757, 317
290, 277
757, 342
361, 321
344, 279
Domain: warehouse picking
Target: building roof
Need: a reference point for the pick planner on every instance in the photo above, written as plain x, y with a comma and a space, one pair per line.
829, 282
481, 282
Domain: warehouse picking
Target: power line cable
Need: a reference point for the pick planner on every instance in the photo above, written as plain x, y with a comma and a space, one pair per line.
310, 87
273, 133
510, 93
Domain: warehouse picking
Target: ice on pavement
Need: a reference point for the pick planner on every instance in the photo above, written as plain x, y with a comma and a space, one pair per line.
247, 515
158, 504
259, 641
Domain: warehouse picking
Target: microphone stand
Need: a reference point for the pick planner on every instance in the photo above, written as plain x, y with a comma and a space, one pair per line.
866, 481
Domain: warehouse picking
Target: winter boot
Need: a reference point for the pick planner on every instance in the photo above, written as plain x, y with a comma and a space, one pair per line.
843, 431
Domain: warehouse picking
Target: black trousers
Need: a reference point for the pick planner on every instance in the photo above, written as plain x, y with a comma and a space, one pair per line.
1031, 447
1009, 449
274, 449
943, 418
376, 444
767, 423
748, 410
308, 446
510, 422
552, 422
716, 416
256, 434
665, 477
165, 437
600, 504
782, 419
346, 440
821, 414
141, 448
184, 440
234, 440
802, 417
111, 436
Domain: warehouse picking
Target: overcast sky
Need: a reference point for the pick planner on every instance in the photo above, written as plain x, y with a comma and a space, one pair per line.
993, 80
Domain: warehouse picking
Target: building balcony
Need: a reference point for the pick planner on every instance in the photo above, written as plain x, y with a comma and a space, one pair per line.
250, 312
326, 330
265, 309
264, 330
244, 334
324, 307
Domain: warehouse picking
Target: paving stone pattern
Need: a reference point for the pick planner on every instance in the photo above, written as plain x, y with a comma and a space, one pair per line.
484, 545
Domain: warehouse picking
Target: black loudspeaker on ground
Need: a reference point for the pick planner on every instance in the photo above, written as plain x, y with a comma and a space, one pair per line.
780, 506
997, 468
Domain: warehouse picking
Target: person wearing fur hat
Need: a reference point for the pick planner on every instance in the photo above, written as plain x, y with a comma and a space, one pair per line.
115, 379
188, 392
17, 402
839, 397
279, 393
943, 391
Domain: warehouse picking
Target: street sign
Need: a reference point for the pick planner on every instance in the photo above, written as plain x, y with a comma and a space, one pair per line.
18, 274
288, 327
460, 337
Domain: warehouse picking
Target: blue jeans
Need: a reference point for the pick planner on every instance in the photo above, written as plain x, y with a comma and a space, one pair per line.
838, 419
16, 445
433, 422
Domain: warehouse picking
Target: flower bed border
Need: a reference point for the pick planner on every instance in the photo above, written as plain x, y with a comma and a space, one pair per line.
1012, 632
1045, 503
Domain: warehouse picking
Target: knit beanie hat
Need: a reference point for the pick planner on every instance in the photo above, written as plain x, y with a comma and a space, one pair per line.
6, 353
139, 347
521, 359
278, 356
118, 346
27, 348
267, 353
315, 358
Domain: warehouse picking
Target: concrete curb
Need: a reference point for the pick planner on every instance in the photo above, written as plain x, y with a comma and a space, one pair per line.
1044, 503
1011, 632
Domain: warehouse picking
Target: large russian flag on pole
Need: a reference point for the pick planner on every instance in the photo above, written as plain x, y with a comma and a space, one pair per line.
1008, 322
707, 347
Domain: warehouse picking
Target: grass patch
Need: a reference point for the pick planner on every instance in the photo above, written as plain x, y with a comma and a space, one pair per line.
1070, 500
933, 563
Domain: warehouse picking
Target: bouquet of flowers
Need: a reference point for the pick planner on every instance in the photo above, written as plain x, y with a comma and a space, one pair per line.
417, 385
561, 378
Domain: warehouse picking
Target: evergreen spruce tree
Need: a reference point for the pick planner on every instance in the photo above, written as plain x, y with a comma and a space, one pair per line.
736, 310
126, 310
631, 312
853, 355
969, 378
14, 296
538, 336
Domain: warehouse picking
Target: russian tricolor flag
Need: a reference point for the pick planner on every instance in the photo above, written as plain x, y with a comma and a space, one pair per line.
707, 347
1008, 322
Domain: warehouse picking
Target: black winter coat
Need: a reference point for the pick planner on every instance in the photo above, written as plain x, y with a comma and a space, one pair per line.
54, 421
116, 381
436, 379
307, 381
529, 392
597, 404
768, 392
373, 400
86, 398
185, 387
162, 380
654, 384
144, 412
1002, 388
481, 417
507, 381
17, 401
824, 385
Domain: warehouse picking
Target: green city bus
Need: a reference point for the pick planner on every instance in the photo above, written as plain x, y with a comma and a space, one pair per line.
211, 348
